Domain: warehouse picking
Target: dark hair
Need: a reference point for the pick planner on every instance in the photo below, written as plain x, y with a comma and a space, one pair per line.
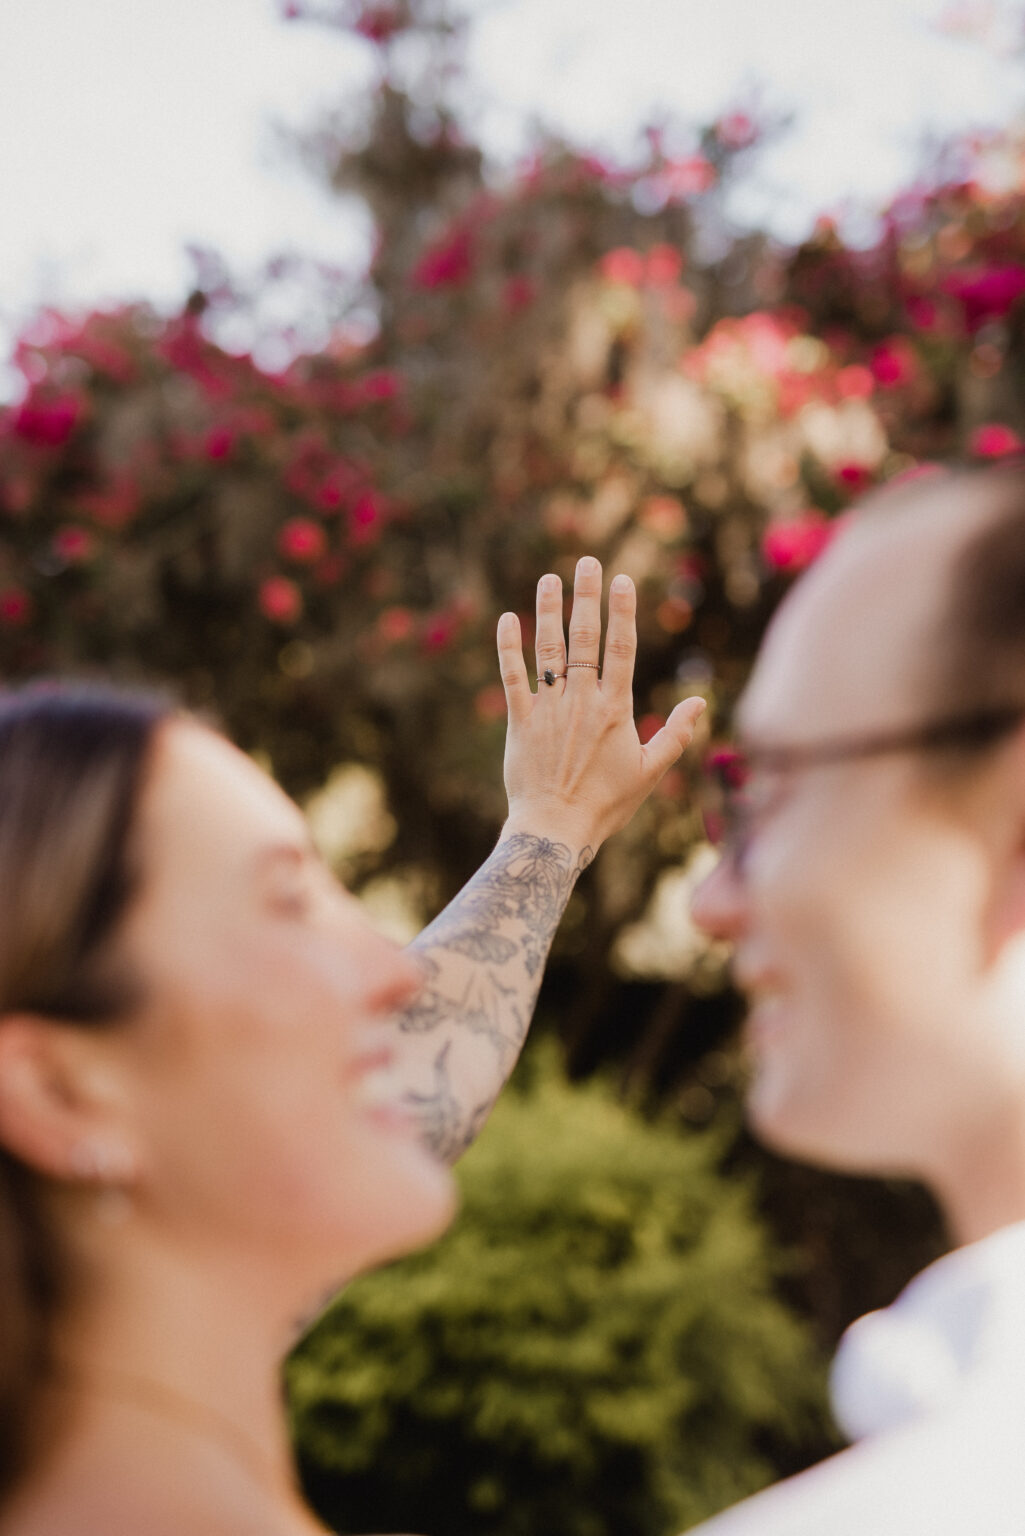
980, 647
72, 762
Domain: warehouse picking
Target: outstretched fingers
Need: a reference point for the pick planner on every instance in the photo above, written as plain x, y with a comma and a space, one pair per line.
617, 673
585, 623
518, 695
662, 751
550, 642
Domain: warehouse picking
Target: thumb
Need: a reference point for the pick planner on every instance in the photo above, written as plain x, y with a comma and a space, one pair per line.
665, 746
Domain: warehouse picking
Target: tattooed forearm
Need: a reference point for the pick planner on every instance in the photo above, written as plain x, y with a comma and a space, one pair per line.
445, 1125
508, 913
482, 961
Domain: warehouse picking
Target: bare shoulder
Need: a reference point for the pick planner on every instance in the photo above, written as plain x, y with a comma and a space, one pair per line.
127, 1508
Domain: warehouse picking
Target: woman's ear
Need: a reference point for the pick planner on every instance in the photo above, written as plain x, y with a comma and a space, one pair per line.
58, 1110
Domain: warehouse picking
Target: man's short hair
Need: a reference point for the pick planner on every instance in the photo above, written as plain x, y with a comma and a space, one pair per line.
978, 640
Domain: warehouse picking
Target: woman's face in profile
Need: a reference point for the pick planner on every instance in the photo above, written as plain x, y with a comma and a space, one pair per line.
256, 1079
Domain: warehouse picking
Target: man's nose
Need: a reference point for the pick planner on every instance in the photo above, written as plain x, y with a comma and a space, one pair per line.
718, 904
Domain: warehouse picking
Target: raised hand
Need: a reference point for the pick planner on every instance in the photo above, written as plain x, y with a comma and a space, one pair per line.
575, 772
575, 767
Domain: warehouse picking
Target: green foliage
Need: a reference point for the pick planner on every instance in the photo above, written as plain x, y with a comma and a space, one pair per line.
595, 1348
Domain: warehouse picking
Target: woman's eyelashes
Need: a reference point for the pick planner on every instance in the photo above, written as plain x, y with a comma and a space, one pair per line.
306, 891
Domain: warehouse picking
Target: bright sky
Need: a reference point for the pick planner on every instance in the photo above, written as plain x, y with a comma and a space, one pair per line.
133, 127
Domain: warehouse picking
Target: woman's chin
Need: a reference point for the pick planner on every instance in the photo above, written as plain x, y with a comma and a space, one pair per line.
413, 1216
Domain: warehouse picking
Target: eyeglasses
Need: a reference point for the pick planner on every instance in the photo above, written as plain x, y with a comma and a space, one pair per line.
740, 784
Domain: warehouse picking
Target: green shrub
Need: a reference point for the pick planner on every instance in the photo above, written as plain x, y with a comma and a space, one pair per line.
595, 1348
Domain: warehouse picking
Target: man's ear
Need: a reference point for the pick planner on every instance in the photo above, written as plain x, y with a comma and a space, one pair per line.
1005, 810
56, 1104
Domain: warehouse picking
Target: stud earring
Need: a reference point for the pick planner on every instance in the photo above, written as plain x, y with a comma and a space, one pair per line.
108, 1167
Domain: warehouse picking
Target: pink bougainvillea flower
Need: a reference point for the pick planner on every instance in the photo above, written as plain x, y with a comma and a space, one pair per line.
74, 545
219, 443
894, 363
302, 540
47, 422
185, 348
686, 178
986, 292
664, 265
854, 477
923, 313
855, 382
597, 168
379, 23
448, 264
737, 130
995, 441
382, 384
15, 607
349, 478
280, 600
760, 340
365, 518
794, 391
623, 265
395, 625
98, 342
729, 765
330, 495
793, 545
439, 632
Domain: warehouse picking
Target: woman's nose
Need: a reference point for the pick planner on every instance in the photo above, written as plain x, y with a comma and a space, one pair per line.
718, 904
393, 978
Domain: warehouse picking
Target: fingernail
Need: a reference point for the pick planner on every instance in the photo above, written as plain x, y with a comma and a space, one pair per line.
620, 584
549, 583
587, 565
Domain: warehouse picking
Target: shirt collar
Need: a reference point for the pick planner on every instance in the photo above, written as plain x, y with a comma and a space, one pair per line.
959, 1322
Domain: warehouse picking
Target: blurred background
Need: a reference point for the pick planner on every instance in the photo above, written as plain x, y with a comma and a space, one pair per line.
326, 328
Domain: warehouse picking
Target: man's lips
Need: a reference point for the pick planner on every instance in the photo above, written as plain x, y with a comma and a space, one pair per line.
766, 1020
767, 995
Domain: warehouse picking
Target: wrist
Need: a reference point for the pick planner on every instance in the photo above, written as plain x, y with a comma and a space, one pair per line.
555, 825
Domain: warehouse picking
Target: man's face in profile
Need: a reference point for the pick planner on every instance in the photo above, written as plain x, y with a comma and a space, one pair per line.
861, 908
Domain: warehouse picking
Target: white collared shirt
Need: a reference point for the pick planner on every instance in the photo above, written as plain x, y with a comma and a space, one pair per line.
933, 1391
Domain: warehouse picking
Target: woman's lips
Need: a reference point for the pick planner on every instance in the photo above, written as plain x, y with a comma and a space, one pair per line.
378, 1092
378, 1059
